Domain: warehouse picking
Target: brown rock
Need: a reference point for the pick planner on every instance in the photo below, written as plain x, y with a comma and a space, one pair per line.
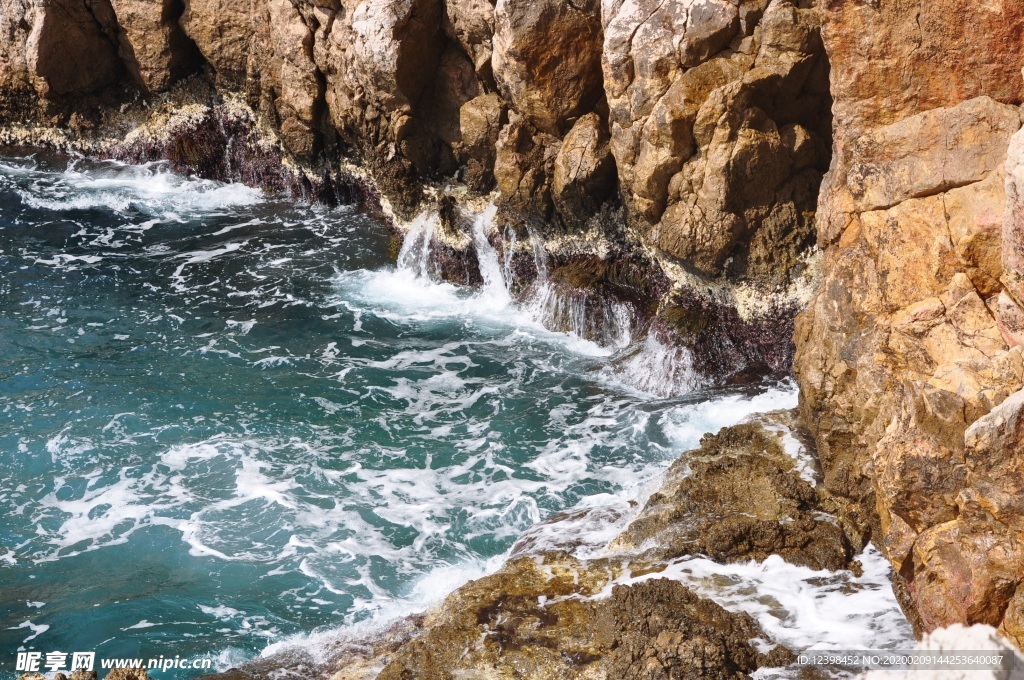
740, 497
724, 137
480, 123
152, 43
471, 23
584, 173
524, 165
223, 31
547, 59
70, 52
930, 153
901, 352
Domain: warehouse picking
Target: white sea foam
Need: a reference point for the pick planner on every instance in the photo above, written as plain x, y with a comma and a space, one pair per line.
151, 188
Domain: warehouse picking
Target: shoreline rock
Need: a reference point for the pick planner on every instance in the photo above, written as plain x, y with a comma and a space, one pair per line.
552, 611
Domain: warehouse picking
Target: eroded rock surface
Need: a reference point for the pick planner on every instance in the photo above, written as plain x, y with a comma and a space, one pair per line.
740, 497
911, 345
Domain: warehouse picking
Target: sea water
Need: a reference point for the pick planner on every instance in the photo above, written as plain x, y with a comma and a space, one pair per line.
228, 423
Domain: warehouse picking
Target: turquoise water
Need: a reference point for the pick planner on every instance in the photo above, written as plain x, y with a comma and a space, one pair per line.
228, 420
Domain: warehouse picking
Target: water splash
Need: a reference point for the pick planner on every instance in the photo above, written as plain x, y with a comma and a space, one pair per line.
491, 270
415, 254
658, 368
583, 313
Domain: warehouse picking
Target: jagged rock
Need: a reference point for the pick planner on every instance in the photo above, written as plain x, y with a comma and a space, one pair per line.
69, 51
969, 567
127, 674
524, 165
908, 342
152, 43
547, 59
724, 136
480, 123
584, 174
223, 31
740, 497
542, 617
471, 22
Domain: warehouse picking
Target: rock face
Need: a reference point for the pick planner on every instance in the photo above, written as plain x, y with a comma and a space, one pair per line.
719, 117
710, 118
909, 354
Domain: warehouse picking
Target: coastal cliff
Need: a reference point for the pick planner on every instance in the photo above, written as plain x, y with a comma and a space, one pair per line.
909, 357
688, 159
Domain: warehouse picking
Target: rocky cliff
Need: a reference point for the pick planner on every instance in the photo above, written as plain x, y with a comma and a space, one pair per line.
671, 153
910, 352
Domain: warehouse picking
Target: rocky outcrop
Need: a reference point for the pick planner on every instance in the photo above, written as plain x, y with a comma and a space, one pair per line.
719, 115
612, 612
691, 135
709, 118
908, 356
739, 497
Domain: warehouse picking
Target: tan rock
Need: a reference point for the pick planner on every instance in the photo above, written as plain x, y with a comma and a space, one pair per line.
152, 43
901, 351
715, 157
740, 496
223, 31
69, 52
547, 57
471, 22
584, 172
930, 153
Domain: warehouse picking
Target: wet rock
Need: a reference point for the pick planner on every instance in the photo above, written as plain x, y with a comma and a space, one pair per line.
738, 497
127, 674
544, 618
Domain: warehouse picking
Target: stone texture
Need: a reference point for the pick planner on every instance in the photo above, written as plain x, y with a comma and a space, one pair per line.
70, 51
547, 57
719, 123
152, 43
738, 498
909, 344
584, 173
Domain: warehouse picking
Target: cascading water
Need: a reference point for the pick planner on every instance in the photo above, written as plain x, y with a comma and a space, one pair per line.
585, 314
414, 256
658, 368
491, 271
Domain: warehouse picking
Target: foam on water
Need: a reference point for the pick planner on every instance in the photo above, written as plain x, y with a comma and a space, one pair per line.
227, 417
150, 188
799, 607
